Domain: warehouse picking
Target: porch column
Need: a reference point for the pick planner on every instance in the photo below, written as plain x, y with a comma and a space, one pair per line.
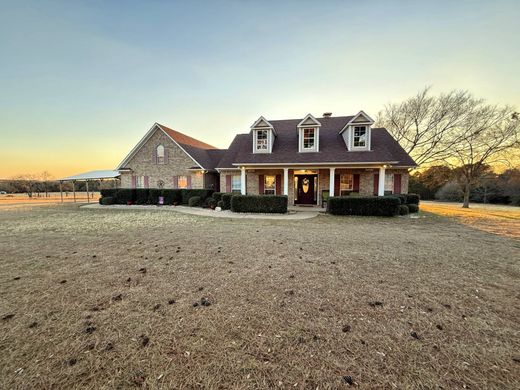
286, 181
243, 180
331, 182
381, 186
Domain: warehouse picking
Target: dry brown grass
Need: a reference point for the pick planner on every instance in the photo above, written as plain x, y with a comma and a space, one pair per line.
281, 293
54, 197
501, 220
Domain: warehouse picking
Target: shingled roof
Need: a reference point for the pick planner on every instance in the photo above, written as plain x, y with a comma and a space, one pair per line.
385, 149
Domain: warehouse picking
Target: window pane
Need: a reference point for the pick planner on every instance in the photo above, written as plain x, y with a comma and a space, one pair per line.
346, 182
308, 138
235, 183
269, 184
160, 154
389, 182
360, 135
261, 139
183, 181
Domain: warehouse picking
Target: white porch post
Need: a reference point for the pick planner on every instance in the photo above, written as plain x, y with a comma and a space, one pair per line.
381, 187
286, 181
331, 182
243, 180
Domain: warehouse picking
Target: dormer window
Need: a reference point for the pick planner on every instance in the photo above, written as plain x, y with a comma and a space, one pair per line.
309, 138
360, 136
262, 140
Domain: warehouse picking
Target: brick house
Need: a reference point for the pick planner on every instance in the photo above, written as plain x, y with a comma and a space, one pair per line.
306, 159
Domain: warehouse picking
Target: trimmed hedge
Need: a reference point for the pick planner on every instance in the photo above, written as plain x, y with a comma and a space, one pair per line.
383, 206
125, 195
172, 196
109, 192
226, 201
403, 209
220, 204
218, 195
259, 204
188, 193
142, 195
413, 208
412, 199
211, 203
153, 197
106, 200
195, 201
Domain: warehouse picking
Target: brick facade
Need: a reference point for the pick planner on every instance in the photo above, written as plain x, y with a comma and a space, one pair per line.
177, 164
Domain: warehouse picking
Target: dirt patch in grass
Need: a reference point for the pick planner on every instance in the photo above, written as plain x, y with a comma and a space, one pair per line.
501, 220
332, 302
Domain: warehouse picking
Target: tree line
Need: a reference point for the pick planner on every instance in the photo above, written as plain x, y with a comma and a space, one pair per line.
456, 131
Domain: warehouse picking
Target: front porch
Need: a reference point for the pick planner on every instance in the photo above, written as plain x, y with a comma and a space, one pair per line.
311, 186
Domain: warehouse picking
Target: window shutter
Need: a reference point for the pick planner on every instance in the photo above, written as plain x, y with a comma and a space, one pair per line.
356, 183
397, 183
376, 183
134, 181
278, 184
154, 155
189, 181
146, 182
261, 188
337, 180
175, 181
165, 156
228, 183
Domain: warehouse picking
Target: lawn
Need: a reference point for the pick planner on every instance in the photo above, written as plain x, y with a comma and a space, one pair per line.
157, 299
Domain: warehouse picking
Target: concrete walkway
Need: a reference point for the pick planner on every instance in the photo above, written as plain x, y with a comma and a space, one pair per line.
291, 215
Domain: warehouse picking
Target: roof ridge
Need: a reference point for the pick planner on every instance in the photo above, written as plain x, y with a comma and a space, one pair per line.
184, 139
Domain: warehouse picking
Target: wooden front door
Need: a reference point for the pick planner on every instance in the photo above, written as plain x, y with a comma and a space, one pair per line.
305, 188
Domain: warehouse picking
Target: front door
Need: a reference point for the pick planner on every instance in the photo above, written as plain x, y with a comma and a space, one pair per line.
305, 188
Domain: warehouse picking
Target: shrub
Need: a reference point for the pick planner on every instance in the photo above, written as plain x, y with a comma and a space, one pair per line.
188, 193
220, 204
259, 204
172, 196
217, 195
412, 198
106, 200
195, 201
226, 201
413, 208
142, 195
384, 206
125, 195
403, 209
153, 195
211, 203
112, 192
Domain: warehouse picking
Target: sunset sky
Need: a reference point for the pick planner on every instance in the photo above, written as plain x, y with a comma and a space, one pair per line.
82, 82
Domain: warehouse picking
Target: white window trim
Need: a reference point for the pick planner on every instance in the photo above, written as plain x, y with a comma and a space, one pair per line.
157, 154
269, 141
364, 147
239, 188
274, 185
388, 182
351, 188
316, 147
179, 182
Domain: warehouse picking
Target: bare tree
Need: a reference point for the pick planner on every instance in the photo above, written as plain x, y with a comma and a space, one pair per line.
428, 126
489, 136
45, 177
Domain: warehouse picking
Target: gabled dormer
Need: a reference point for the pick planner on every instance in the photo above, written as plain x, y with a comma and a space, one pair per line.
357, 132
263, 136
309, 134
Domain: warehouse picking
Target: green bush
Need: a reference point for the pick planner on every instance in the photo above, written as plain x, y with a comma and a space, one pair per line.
259, 204
188, 193
384, 206
403, 209
220, 204
217, 195
106, 200
413, 208
195, 201
141, 195
172, 196
211, 203
412, 199
226, 201
153, 195
112, 192
125, 195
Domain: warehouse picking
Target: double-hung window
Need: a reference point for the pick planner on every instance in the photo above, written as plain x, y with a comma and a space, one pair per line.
309, 138
360, 136
236, 183
389, 183
160, 154
182, 182
346, 184
269, 184
139, 181
262, 140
